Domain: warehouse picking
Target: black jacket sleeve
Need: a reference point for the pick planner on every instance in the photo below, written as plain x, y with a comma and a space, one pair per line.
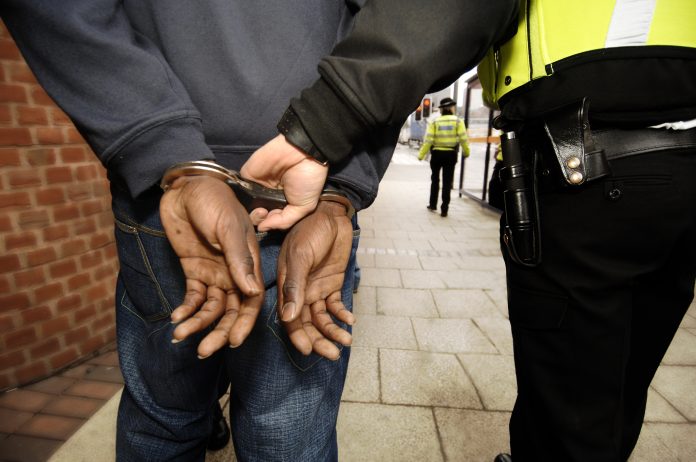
115, 85
398, 51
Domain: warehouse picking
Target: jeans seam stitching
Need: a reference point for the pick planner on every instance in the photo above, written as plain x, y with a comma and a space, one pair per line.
151, 273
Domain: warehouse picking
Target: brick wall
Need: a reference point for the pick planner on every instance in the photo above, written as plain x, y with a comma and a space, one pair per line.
57, 253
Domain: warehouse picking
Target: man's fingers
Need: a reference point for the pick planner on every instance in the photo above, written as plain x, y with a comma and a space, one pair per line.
320, 344
335, 306
245, 320
286, 217
194, 297
298, 337
242, 255
326, 325
295, 274
210, 311
257, 215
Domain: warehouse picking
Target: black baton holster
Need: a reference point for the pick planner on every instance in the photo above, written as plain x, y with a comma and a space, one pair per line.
521, 233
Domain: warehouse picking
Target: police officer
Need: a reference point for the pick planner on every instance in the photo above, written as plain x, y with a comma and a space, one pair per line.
601, 101
442, 139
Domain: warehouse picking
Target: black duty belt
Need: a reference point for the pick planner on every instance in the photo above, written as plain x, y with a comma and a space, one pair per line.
583, 154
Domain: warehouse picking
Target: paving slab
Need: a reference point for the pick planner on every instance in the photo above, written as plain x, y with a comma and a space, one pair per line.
375, 432
451, 336
679, 438
362, 381
682, 350
422, 279
677, 384
437, 263
658, 409
469, 435
384, 332
425, 379
18, 448
405, 302
365, 300
651, 448
465, 279
24, 400
397, 261
380, 277
498, 331
494, 379
464, 303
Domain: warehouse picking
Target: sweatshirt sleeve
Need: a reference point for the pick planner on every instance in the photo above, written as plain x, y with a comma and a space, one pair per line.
398, 51
115, 85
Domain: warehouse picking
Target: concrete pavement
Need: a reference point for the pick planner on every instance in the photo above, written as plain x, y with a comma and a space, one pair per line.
431, 376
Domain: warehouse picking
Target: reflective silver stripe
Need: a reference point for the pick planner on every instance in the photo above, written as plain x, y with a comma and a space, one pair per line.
630, 23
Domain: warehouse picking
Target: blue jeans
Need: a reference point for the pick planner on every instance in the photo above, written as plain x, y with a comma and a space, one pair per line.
283, 405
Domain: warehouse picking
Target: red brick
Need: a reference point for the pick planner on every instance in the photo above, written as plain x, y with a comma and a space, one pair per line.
90, 259
92, 344
58, 175
15, 136
10, 93
45, 349
53, 233
63, 358
101, 240
19, 72
5, 286
50, 196
63, 268
9, 263
29, 278
54, 326
104, 272
6, 115
40, 97
53, 385
73, 136
66, 212
33, 315
41, 157
59, 117
25, 177
5, 224
86, 172
50, 427
73, 406
31, 372
78, 281
13, 359
8, 50
73, 155
91, 207
103, 322
101, 189
73, 247
99, 291
33, 219
14, 302
17, 241
20, 337
88, 226
10, 157
110, 334
87, 312
41, 256
48, 292
76, 335
49, 135
79, 191
93, 389
10, 421
69, 303
15, 199
5, 382
6, 324
24, 400
32, 115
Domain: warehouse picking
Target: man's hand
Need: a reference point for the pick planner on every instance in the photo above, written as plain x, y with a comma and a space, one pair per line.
211, 233
311, 267
278, 164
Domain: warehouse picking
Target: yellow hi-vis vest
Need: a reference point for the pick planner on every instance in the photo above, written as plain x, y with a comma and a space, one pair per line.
445, 133
556, 38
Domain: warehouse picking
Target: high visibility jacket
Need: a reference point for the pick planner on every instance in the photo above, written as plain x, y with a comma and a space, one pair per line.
635, 60
445, 133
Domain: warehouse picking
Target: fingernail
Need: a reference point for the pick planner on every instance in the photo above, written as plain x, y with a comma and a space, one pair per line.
202, 357
233, 346
175, 340
288, 311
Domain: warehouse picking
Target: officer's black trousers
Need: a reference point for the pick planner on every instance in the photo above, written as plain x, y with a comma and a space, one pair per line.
445, 161
591, 324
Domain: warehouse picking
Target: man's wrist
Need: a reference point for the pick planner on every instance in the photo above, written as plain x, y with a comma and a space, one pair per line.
293, 131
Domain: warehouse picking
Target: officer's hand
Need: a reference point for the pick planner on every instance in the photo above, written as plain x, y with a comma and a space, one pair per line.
278, 164
311, 267
211, 233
